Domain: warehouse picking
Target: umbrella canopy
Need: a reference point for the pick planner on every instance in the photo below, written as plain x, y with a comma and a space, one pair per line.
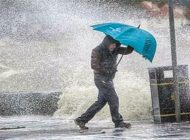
142, 41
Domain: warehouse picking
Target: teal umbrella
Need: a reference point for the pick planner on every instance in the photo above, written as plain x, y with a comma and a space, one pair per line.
142, 41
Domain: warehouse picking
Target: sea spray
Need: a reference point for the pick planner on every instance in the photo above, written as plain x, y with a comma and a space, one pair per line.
46, 45
80, 92
131, 81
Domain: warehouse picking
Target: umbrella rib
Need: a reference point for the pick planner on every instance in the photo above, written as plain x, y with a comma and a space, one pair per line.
121, 34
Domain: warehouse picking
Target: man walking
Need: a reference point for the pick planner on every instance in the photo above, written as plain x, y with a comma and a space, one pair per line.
104, 64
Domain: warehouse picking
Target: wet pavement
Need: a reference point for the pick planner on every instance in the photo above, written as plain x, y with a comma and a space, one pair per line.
50, 128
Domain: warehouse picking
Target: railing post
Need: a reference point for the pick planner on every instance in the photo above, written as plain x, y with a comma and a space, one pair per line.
174, 61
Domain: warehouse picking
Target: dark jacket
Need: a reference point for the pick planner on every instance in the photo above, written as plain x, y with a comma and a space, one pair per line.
102, 60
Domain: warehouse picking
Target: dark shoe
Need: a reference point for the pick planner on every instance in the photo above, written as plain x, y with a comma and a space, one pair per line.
123, 125
80, 124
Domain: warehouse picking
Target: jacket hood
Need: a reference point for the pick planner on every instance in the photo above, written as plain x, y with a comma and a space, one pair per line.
108, 40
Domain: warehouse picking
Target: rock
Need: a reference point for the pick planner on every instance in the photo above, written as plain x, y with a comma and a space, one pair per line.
28, 103
161, 9
147, 5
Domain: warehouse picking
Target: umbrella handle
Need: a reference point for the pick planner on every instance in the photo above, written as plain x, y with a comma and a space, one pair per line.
119, 60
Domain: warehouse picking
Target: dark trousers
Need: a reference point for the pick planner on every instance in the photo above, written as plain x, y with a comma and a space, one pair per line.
106, 94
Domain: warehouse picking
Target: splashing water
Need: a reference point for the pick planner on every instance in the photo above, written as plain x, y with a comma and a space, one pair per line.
131, 82
54, 54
